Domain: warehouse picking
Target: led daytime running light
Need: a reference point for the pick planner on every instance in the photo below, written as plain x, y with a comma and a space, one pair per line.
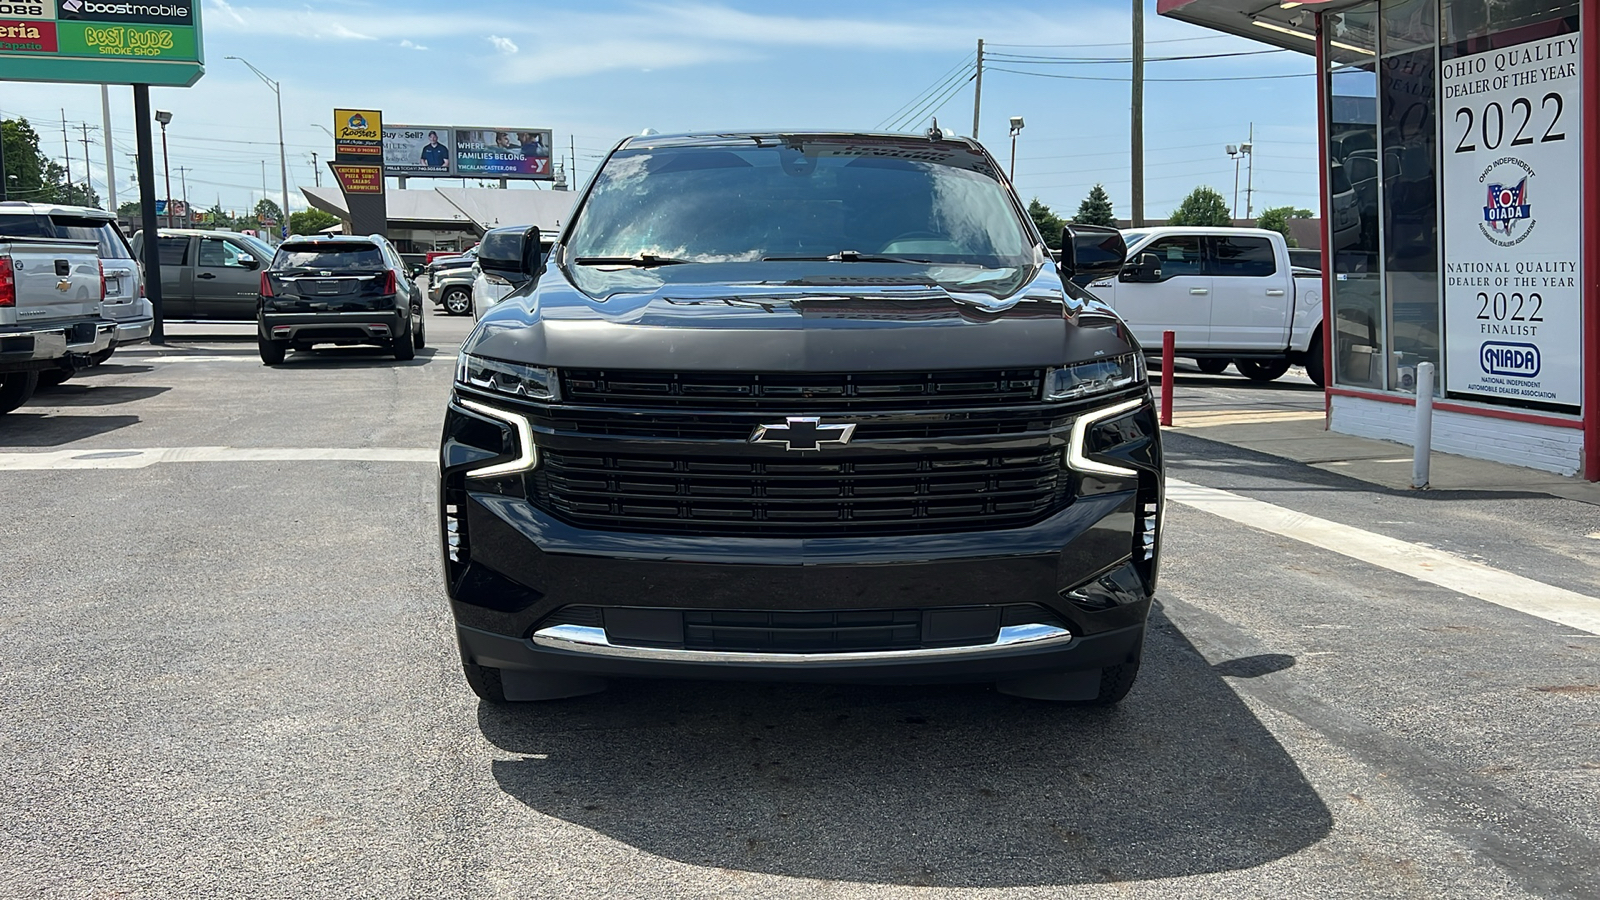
527, 452
1080, 432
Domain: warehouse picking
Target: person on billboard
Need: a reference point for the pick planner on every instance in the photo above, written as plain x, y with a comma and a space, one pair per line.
434, 154
533, 145
502, 141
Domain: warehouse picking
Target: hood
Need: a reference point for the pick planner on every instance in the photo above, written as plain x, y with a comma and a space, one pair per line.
835, 317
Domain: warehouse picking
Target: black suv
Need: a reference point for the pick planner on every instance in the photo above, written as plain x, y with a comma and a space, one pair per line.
338, 290
809, 406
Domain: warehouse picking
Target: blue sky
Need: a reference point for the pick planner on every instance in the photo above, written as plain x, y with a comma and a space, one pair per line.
598, 70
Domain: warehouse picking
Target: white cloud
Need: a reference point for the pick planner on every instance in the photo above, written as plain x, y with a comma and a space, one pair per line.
503, 45
407, 44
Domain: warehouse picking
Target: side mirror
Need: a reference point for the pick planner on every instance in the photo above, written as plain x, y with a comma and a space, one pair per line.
1146, 269
1091, 251
249, 262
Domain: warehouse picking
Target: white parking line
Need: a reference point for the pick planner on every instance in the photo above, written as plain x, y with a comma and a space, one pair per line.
1422, 563
139, 459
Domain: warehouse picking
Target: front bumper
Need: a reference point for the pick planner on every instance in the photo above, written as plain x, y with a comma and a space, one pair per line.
71, 344
379, 326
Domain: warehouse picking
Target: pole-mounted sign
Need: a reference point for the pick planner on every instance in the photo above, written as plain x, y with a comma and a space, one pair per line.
102, 41
358, 164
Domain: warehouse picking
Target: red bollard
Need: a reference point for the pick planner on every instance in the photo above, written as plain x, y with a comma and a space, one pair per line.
1169, 346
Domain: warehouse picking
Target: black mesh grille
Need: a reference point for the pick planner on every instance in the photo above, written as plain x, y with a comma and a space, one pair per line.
737, 426
974, 490
798, 391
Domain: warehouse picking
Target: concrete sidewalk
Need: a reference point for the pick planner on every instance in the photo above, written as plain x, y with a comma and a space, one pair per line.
1300, 436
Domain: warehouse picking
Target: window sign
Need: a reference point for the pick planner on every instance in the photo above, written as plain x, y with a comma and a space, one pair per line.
1511, 141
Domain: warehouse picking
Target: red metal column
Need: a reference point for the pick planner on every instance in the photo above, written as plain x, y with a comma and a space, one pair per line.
1327, 226
1591, 240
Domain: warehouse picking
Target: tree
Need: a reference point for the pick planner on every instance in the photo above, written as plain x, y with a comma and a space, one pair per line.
1096, 209
129, 210
1203, 207
311, 221
1277, 219
266, 209
1048, 222
27, 171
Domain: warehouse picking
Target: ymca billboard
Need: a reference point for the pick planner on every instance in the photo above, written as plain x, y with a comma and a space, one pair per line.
101, 41
455, 151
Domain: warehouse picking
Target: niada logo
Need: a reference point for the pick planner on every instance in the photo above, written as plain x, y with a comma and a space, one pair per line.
171, 12
1513, 360
1507, 208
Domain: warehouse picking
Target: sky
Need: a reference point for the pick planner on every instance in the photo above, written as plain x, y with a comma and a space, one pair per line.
599, 70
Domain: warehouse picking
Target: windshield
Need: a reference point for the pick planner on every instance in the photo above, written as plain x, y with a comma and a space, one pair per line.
328, 256
257, 244
748, 202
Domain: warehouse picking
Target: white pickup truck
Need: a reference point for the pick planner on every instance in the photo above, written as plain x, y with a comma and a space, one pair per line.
51, 293
1227, 294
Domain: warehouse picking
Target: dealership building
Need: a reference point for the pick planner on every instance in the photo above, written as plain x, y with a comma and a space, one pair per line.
1458, 143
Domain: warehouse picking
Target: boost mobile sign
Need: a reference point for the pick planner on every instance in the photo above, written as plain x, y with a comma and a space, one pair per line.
1513, 222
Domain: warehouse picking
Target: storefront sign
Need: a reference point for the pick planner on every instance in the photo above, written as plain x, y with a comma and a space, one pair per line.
358, 135
355, 179
101, 41
1513, 217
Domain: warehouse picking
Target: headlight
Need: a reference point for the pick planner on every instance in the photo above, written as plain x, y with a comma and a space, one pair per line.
1098, 377
514, 379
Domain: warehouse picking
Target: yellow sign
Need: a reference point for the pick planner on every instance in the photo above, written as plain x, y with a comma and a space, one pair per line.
358, 125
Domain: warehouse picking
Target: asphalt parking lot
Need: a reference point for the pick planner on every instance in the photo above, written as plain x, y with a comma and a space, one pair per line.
228, 670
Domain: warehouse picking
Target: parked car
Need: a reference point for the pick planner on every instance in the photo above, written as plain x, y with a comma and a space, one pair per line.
508, 258
338, 289
125, 302
451, 290
1227, 294
51, 292
209, 275
810, 406
446, 263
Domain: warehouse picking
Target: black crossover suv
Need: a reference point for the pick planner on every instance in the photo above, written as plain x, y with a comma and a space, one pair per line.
807, 406
338, 289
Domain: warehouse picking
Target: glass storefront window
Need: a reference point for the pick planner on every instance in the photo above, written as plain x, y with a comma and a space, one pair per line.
1472, 22
1409, 162
1353, 204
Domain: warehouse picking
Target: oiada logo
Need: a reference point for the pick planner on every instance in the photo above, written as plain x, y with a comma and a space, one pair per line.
1506, 203
1513, 360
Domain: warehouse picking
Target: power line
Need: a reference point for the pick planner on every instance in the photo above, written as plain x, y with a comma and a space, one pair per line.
1086, 60
940, 84
1170, 80
931, 106
1209, 37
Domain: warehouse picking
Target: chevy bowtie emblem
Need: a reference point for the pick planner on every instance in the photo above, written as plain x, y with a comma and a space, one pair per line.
64, 285
802, 433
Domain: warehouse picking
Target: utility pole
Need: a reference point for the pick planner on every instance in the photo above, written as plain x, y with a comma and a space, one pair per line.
88, 179
316, 171
183, 177
64, 146
977, 91
1250, 175
1136, 169
111, 167
572, 177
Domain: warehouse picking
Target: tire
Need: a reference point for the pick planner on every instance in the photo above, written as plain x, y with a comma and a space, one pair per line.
457, 301
272, 352
1316, 361
405, 345
485, 682
101, 357
16, 388
1262, 370
422, 334
54, 377
1212, 366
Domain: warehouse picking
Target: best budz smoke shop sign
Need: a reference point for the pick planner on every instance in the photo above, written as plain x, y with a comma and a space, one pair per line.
1513, 216
101, 41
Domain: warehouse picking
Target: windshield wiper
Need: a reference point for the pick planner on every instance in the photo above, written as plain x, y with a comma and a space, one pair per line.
848, 256
643, 260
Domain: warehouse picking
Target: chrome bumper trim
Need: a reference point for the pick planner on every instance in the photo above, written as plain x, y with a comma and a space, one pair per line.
593, 641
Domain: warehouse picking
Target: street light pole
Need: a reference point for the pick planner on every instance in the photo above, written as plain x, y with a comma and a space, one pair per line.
283, 155
1234, 154
1016, 129
164, 117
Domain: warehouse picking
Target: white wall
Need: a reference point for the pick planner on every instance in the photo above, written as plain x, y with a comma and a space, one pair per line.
1533, 446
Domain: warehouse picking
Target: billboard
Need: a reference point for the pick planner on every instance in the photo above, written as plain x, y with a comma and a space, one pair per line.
101, 41
357, 135
455, 151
